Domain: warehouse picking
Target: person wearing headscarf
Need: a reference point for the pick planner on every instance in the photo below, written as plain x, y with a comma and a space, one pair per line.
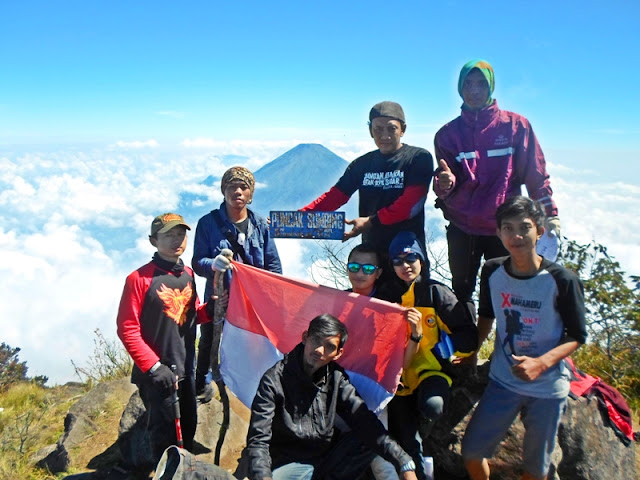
484, 157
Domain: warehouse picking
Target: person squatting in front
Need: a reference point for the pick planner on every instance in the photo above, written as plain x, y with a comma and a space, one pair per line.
157, 325
236, 227
292, 432
438, 327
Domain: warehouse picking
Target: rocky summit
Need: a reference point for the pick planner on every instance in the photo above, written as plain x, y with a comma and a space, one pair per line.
587, 449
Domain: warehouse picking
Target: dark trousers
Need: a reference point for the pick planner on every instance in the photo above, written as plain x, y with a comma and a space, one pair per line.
426, 404
160, 416
203, 362
465, 253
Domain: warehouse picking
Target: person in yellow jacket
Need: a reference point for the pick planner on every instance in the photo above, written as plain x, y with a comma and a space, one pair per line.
439, 326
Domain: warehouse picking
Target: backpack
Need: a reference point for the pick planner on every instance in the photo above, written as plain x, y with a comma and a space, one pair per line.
179, 464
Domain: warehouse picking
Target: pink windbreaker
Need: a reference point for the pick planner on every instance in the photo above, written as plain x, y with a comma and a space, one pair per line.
492, 153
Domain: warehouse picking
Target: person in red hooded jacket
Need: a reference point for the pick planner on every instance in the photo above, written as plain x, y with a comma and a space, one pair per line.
156, 323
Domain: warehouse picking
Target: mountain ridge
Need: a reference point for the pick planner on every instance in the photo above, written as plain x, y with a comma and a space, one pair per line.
313, 169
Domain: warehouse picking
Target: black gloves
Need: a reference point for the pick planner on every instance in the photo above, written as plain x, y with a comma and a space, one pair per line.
163, 378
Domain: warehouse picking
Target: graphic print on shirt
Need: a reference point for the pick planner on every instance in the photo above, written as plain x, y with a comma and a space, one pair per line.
384, 180
176, 302
513, 328
522, 317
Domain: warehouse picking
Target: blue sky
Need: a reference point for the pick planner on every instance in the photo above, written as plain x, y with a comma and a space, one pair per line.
94, 71
111, 111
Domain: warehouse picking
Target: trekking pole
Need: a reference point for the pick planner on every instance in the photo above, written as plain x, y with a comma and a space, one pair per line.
176, 413
219, 314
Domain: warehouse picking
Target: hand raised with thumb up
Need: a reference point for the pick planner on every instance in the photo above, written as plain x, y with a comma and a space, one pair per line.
445, 176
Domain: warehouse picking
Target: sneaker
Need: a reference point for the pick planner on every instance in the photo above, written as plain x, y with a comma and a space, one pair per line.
205, 394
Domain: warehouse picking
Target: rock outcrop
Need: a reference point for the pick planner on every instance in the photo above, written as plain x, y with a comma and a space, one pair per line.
586, 448
133, 440
79, 424
591, 450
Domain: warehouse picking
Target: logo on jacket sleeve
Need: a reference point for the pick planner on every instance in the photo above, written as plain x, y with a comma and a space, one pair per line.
430, 320
176, 302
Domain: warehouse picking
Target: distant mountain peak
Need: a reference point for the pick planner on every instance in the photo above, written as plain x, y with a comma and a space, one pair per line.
306, 155
309, 147
297, 177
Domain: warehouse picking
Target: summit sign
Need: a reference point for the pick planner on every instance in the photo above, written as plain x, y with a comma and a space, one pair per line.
296, 224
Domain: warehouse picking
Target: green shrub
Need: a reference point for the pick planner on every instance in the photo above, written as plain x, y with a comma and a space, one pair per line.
32, 418
612, 301
12, 370
109, 361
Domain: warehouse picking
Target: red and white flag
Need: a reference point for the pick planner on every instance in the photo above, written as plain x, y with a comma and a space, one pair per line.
268, 313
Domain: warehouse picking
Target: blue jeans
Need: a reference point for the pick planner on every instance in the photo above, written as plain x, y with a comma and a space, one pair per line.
293, 471
346, 460
495, 413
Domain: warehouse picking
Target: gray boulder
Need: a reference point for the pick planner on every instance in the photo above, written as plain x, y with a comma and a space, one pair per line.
586, 448
78, 424
52, 457
133, 440
591, 450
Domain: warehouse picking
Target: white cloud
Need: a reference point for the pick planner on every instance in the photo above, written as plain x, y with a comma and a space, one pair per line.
602, 212
170, 113
138, 144
350, 151
61, 212
256, 153
292, 253
61, 287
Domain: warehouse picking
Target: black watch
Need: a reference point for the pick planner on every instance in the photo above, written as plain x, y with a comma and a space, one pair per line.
416, 339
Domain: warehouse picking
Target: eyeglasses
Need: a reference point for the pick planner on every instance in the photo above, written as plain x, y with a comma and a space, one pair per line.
409, 258
367, 268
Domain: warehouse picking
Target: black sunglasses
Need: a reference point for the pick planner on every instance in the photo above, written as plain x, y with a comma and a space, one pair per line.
408, 258
367, 268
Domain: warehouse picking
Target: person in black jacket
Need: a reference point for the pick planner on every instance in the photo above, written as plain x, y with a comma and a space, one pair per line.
292, 431
439, 326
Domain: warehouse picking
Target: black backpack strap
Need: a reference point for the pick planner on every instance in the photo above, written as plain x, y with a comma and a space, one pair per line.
226, 231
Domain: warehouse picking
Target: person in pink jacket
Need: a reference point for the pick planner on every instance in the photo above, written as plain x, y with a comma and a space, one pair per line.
484, 157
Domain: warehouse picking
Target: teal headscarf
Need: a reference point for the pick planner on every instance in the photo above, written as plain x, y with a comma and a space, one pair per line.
486, 69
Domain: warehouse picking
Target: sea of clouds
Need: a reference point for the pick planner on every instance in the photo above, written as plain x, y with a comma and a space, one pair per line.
74, 223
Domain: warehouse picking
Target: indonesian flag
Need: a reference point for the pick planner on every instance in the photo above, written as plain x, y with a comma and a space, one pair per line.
268, 313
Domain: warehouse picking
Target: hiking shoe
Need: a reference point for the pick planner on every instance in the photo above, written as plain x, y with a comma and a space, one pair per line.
205, 395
